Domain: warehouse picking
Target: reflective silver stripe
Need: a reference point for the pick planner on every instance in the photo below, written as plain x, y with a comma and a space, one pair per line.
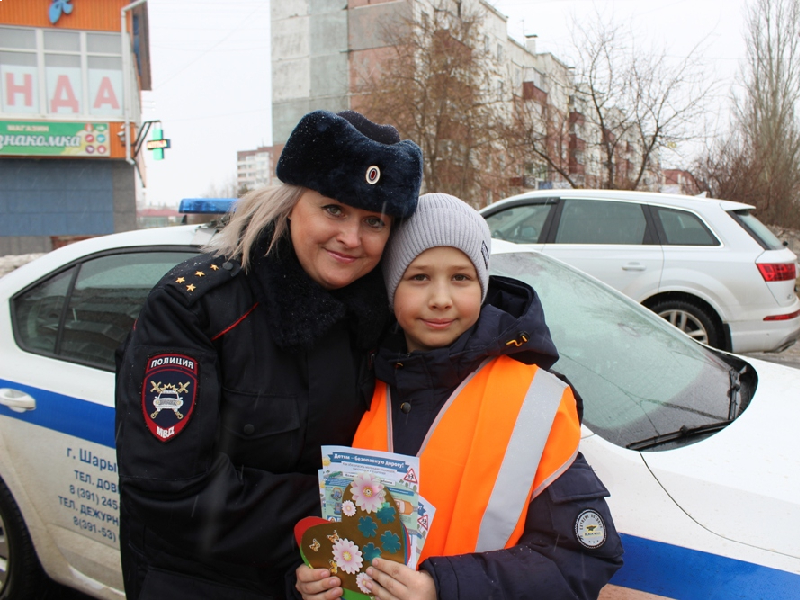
556, 474
521, 460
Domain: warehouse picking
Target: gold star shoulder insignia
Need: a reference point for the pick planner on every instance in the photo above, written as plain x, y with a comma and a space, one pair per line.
190, 287
214, 268
180, 280
199, 273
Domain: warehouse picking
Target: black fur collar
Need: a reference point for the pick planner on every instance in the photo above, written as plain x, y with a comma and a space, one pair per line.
301, 311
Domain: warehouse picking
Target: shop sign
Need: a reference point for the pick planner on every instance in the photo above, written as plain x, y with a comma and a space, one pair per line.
19, 86
57, 7
41, 138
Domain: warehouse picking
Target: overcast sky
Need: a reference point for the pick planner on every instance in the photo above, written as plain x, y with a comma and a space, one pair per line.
211, 70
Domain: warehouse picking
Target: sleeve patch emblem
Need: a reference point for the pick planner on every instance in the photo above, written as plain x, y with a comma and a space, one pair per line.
169, 393
590, 529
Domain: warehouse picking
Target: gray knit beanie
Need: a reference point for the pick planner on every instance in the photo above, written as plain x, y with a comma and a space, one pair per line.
440, 220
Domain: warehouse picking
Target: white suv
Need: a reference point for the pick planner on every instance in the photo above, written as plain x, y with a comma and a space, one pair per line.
708, 266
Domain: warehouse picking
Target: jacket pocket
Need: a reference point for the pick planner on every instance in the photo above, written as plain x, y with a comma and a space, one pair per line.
260, 430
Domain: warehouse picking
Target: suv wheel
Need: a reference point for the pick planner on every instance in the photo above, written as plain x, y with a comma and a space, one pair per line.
689, 318
21, 576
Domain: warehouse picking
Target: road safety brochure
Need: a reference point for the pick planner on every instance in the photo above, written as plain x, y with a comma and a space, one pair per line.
398, 473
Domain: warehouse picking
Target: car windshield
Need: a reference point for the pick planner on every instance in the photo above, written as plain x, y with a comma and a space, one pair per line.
644, 384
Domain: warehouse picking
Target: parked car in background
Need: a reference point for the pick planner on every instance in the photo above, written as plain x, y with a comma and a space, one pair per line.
697, 446
707, 266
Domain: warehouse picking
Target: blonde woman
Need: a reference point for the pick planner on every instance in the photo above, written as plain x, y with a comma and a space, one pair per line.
247, 358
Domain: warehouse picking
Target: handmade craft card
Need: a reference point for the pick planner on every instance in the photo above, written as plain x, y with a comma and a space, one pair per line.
370, 527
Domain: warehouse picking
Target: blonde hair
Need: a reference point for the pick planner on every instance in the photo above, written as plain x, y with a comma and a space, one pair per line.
251, 214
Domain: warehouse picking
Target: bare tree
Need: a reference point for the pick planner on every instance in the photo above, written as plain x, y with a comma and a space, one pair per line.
437, 84
627, 106
226, 189
758, 160
766, 115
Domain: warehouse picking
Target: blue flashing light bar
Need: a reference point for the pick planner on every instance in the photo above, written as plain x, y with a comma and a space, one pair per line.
216, 206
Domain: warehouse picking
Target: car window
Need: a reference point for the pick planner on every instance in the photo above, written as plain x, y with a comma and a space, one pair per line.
765, 238
83, 314
639, 377
37, 313
520, 224
598, 222
683, 228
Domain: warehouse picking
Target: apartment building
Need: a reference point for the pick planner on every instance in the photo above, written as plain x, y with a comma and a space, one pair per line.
255, 168
323, 49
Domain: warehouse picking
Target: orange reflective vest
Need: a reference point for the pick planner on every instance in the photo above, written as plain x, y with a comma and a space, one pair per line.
502, 437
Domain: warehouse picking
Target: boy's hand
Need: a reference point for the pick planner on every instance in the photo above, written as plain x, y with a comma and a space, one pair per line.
394, 581
317, 584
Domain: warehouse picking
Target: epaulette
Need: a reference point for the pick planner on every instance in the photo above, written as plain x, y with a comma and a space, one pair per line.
197, 276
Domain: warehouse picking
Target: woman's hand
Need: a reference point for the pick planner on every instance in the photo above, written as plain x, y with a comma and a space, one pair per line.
317, 584
394, 581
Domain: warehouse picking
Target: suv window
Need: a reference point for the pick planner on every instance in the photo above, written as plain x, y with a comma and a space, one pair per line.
82, 314
765, 238
599, 222
521, 224
683, 228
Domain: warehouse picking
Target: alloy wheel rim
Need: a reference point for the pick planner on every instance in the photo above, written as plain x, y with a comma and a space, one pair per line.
686, 322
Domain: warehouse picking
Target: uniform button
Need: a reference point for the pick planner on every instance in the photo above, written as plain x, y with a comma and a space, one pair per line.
227, 266
405, 407
398, 365
249, 429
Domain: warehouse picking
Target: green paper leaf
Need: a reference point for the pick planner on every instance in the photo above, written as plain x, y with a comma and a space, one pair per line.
390, 542
386, 513
370, 551
367, 527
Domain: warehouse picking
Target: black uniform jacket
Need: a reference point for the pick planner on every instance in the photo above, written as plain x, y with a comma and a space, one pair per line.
549, 562
269, 367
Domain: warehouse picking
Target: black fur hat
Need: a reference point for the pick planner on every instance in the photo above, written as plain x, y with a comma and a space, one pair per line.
347, 157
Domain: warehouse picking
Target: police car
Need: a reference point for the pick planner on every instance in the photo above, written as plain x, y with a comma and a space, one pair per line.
697, 447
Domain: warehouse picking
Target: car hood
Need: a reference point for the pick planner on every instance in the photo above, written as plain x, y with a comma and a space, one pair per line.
743, 483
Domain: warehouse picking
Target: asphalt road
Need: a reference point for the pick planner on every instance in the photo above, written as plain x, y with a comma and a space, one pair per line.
789, 357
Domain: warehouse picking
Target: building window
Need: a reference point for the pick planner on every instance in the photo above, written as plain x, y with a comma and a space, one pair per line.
80, 73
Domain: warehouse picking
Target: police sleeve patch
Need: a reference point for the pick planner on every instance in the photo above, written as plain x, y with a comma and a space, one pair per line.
169, 393
590, 529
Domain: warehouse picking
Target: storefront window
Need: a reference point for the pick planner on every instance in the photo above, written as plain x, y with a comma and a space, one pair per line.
80, 72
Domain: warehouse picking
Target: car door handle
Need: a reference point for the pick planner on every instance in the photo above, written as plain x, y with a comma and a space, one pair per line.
16, 400
633, 267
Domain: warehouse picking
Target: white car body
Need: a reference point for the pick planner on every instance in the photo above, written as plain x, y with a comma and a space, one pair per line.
699, 521
722, 278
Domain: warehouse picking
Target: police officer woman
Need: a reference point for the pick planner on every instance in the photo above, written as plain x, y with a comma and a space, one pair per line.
247, 358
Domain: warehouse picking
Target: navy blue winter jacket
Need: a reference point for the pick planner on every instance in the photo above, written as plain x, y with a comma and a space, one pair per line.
549, 561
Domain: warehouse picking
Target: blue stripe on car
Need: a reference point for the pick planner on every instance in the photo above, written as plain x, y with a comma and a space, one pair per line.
65, 414
678, 572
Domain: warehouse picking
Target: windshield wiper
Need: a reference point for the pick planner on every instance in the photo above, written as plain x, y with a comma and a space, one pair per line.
683, 432
735, 392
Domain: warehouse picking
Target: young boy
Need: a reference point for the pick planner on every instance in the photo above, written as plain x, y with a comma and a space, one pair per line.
464, 385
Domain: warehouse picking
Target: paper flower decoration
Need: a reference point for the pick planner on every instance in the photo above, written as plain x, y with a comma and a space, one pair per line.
347, 556
348, 508
363, 577
349, 546
367, 492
